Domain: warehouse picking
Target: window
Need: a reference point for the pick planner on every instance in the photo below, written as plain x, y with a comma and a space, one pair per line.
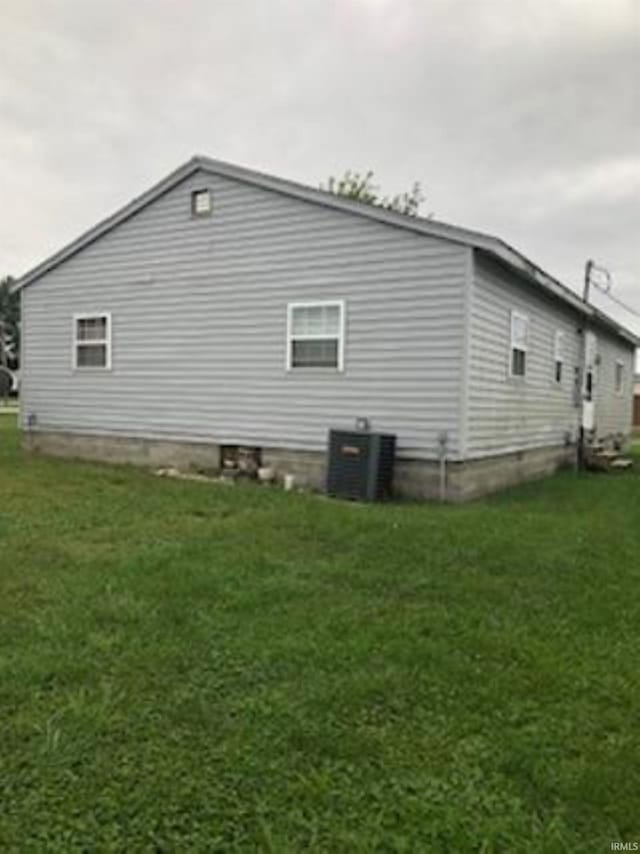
619, 377
315, 335
201, 203
92, 341
588, 385
519, 339
558, 356
591, 360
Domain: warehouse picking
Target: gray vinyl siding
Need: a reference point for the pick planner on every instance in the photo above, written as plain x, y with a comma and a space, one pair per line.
198, 309
507, 413
614, 411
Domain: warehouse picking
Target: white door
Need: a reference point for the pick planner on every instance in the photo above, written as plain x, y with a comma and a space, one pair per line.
590, 378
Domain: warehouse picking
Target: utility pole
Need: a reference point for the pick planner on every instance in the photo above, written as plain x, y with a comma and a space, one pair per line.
588, 269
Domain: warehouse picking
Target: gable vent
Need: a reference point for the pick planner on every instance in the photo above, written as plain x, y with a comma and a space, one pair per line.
201, 203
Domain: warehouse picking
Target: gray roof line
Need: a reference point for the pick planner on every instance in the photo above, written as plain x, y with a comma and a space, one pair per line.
420, 225
105, 225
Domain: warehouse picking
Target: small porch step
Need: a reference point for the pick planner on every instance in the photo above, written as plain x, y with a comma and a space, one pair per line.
597, 459
621, 464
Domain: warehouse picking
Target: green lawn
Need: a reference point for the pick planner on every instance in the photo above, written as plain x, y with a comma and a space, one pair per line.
191, 667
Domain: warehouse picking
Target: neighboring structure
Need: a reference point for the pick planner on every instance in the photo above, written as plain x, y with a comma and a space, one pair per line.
226, 307
636, 403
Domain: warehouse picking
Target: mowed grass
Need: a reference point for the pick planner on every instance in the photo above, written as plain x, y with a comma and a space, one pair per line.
191, 667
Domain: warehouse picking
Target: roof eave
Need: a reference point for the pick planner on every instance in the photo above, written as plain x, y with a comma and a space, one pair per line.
429, 227
107, 224
553, 287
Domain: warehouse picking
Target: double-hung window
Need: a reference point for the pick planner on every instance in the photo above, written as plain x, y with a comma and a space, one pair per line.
519, 343
558, 356
92, 341
315, 335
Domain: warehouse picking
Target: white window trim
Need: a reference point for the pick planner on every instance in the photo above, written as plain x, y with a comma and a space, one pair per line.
519, 315
619, 364
91, 315
558, 356
341, 331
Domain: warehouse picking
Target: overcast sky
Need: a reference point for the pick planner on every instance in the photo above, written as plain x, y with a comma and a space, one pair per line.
521, 119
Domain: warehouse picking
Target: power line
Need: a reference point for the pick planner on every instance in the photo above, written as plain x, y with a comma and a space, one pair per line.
603, 281
617, 301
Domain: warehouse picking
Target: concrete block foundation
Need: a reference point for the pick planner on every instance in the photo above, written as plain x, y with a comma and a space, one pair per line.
413, 479
152, 453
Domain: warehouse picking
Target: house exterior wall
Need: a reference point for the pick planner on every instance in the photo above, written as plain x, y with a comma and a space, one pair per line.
507, 414
198, 309
614, 410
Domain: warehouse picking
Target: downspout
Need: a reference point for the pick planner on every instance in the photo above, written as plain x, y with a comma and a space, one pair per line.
443, 440
580, 393
582, 372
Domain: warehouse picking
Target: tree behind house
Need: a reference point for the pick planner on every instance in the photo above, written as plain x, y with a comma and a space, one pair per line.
361, 188
9, 325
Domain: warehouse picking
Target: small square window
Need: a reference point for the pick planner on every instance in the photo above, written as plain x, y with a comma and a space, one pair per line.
201, 203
